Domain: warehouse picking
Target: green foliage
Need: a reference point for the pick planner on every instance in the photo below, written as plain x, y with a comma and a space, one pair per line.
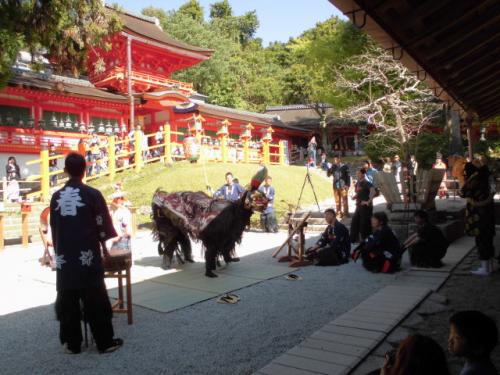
222, 9
424, 146
193, 9
63, 28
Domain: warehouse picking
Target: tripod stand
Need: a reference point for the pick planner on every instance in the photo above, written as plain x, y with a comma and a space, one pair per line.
307, 179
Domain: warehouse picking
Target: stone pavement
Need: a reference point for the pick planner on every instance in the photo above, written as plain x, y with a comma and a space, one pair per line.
341, 346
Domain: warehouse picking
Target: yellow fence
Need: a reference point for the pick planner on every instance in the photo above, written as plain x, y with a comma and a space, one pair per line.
132, 154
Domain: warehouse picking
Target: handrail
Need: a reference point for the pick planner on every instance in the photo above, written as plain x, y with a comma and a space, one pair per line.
133, 147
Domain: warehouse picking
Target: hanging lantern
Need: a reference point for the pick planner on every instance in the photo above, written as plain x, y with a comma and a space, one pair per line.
116, 128
69, 124
53, 121
31, 122
91, 128
20, 123
109, 128
61, 124
223, 131
268, 135
101, 128
247, 133
82, 127
124, 128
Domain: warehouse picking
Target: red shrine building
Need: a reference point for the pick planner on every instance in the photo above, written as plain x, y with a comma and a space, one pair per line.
128, 86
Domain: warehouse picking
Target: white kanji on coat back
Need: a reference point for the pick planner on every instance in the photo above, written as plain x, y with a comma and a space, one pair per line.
69, 200
86, 257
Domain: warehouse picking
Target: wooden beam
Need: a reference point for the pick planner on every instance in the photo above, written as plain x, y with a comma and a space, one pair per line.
484, 42
474, 66
485, 115
474, 74
455, 15
468, 32
488, 88
492, 99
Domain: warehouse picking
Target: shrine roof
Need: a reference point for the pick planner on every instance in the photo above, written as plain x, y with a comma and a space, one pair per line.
149, 28
242, 115
299, 114
306, 116
73, 86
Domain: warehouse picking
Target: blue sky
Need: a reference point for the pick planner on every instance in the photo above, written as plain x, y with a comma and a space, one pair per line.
279, 19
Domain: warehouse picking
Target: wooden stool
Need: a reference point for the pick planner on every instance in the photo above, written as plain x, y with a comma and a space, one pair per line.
117, 266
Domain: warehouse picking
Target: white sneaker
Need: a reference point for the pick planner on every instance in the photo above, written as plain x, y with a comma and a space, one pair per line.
484, 270
480, 272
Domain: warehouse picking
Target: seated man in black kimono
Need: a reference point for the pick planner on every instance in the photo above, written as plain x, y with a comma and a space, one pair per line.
81, 224
334, 245
381, 251
428, 245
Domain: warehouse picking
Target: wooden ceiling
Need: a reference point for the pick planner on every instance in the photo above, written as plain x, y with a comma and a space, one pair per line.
452, 44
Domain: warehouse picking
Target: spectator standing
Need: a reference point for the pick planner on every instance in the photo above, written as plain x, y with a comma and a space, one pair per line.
268, 217
440, 164
13, 174
370, 171
361, 220
52, 165
80, 225
387, 165
341, 183
311, 151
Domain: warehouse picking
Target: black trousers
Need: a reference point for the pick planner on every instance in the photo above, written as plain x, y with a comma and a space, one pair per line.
361, 225
485, 248
427, 255
97, 312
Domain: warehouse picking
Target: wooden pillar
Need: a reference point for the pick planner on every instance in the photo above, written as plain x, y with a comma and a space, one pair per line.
282, 152
2, 242
25, 228
111, 157
44, 175
223, 148
246, 150
137, 150
167, 136
265, 151
468, 124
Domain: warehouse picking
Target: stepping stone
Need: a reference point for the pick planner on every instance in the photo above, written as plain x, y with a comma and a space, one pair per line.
438, 298
432, 308
413, 321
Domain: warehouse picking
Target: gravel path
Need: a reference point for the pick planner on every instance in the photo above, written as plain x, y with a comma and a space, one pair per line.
206, 338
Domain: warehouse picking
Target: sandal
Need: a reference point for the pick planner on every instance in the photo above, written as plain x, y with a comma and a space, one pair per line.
115, 345
227, 299
293, 277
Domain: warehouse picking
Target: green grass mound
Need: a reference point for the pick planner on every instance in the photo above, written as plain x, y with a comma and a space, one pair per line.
183, 176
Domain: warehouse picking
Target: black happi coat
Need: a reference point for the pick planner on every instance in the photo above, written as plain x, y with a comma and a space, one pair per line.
79, 220
381, 252
336, 239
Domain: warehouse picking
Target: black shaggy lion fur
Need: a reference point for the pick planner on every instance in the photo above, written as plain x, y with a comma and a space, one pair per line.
168, 235
224, 232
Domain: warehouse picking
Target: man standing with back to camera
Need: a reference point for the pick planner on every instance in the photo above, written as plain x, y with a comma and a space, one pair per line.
341, 183
80, 224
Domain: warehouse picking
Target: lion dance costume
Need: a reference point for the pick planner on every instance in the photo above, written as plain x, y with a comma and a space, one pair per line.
219, 224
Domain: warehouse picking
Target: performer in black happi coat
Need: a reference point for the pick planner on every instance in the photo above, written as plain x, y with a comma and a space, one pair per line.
365, 192
428, 245
334, 246
381, 251
80, 224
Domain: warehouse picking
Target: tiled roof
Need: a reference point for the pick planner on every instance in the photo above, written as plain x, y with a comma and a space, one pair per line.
29, 79
148, 28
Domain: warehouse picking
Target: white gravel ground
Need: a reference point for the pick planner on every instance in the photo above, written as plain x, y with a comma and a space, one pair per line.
206, 338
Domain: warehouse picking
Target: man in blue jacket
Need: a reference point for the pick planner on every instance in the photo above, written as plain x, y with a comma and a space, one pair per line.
268, 217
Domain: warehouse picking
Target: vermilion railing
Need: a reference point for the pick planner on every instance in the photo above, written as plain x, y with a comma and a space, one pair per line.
131, 154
